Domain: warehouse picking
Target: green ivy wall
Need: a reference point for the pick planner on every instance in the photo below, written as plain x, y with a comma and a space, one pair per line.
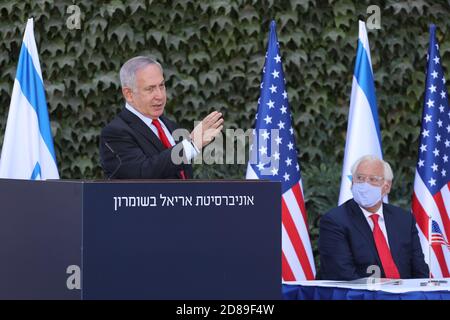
213, 53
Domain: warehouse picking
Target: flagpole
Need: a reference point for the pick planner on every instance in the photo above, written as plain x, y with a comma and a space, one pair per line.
429, 247
431, 282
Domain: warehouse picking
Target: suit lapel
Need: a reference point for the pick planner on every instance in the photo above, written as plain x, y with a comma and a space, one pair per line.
139, 126
169, 124
172, 126
392, 233
359, 221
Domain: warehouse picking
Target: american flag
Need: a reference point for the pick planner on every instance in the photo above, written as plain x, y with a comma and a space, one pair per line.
273, 156
437, 238
431, 197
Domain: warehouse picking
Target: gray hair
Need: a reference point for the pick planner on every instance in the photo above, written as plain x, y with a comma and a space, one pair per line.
388, 174
129, 69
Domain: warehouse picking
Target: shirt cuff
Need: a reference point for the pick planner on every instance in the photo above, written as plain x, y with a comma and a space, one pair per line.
190, 150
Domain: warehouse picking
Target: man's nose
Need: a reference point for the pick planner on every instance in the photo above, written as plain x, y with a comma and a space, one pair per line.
158, 93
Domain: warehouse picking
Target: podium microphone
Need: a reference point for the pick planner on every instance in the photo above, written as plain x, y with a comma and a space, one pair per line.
118, 159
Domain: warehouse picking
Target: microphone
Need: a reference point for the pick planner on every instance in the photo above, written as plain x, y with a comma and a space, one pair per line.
118, 159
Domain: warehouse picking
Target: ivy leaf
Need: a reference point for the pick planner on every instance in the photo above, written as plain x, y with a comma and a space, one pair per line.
121, 32
248, 14
221, 22
115, 6
291, 17
156, 35
188, 83
82, 163
135, 5
107, 80
9, 6
343, 20
97, 24
301, 3
221, 6
343, 7
198, 57
334, 34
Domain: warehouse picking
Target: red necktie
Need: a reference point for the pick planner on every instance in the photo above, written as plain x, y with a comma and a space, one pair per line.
390, 269
165, 141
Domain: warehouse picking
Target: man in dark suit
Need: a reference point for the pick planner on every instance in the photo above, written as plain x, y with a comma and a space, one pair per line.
139, 143
365, 237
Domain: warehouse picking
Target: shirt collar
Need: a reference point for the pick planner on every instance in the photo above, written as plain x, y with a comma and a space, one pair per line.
379, 212
147, 120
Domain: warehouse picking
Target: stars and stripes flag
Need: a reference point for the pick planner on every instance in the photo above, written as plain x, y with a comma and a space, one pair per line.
431, 196
363, 129
273, 156
27, 151
437, 238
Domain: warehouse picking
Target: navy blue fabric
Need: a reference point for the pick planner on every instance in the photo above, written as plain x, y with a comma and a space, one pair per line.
142, 154
347, 248
291, 292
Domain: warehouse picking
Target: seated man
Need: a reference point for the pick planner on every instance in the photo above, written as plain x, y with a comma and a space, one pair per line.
364, 234
139, 142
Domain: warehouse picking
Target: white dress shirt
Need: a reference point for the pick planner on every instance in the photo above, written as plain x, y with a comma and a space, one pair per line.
381, 221
190, 150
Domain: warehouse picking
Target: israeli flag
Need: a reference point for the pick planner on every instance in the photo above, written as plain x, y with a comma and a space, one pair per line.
27, 151
363, 130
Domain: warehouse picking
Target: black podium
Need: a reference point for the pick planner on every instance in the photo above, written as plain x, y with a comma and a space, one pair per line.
140, 239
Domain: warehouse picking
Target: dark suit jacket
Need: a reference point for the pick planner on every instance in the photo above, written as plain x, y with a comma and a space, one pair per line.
142, 154
347, 247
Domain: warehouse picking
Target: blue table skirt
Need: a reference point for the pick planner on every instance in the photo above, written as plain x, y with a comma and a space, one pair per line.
297, 292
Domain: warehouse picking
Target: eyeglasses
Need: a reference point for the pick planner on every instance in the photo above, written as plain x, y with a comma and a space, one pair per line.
373, 180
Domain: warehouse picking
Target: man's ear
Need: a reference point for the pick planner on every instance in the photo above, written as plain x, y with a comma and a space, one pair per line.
128, 94
386, 187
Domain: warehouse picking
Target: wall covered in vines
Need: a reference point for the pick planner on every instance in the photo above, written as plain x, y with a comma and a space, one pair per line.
213, 53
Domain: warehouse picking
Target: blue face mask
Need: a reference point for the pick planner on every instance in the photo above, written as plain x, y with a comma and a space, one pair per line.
366, 195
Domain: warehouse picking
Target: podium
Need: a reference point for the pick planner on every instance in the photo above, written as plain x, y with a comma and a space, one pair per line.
140, 239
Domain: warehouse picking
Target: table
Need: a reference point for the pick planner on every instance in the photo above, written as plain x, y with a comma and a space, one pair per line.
408, 289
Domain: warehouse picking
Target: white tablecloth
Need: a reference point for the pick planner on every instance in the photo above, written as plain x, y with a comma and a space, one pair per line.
395, 286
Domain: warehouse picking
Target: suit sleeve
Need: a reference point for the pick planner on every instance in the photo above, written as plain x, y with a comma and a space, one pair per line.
419, 267
336, 260
135, 164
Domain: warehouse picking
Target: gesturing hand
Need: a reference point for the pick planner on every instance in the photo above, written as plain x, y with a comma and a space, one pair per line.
207, 129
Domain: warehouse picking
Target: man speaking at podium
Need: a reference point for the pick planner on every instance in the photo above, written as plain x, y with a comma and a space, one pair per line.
138, 143
365, 235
